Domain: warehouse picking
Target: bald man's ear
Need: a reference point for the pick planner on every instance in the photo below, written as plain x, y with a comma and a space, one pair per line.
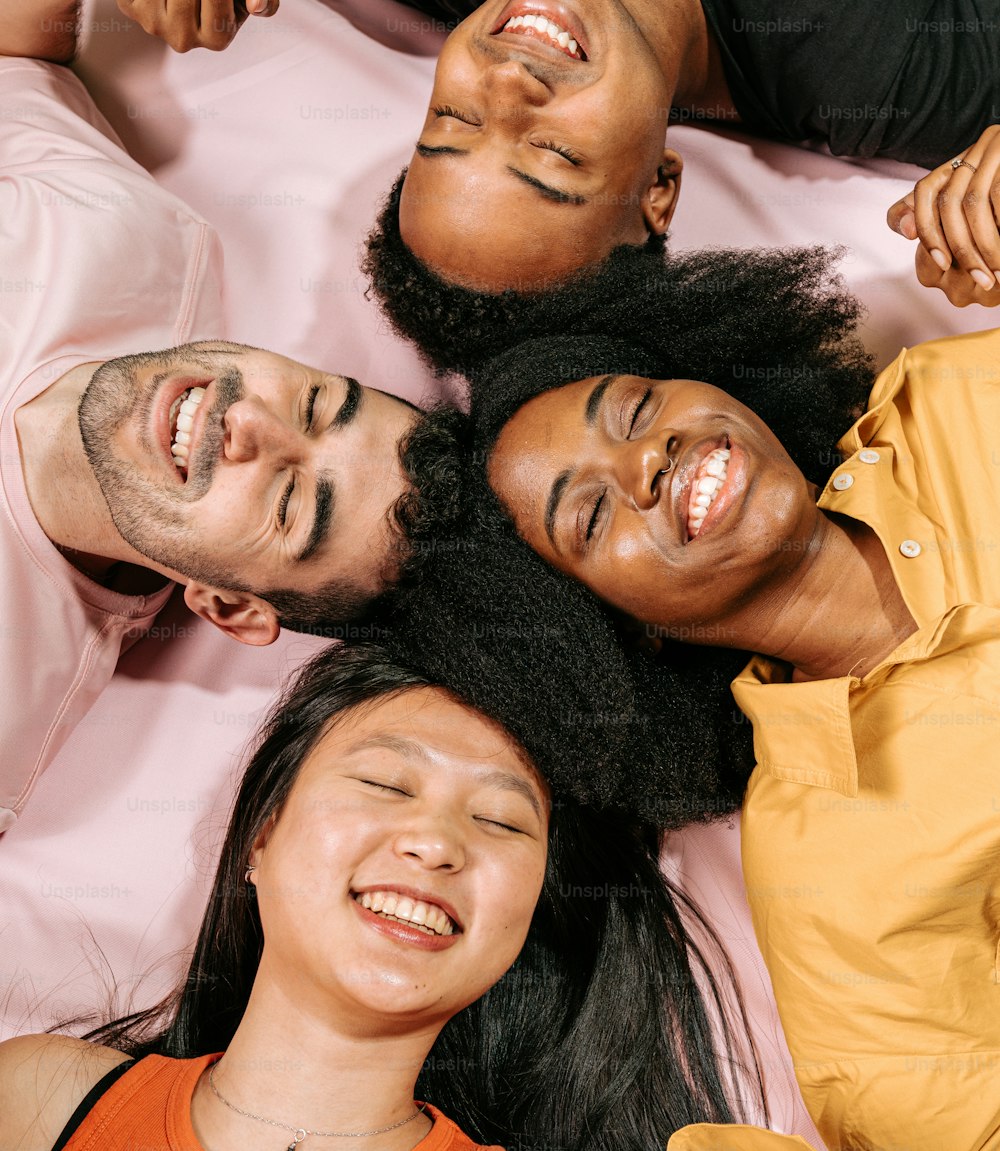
660, 199
240, 614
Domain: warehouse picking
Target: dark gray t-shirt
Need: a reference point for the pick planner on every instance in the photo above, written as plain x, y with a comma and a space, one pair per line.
913, 80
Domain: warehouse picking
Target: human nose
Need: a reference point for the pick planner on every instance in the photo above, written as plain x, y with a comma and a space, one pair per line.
509, 86
253, 430
644, 465
432, 842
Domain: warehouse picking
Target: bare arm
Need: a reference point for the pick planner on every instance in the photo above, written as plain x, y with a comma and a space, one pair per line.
40, 29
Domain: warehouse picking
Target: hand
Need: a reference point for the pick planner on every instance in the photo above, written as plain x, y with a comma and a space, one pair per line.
186, 24
954, 212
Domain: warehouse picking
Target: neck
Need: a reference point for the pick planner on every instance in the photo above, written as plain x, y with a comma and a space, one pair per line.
64, 493
687, 51
289, 1064
845, 613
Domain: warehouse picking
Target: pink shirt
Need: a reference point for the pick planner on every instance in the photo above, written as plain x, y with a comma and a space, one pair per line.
98, 261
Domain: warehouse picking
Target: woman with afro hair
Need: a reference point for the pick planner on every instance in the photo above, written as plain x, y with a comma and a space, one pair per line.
680, 551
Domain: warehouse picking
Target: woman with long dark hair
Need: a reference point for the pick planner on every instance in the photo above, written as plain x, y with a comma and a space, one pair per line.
405, 908
634, 509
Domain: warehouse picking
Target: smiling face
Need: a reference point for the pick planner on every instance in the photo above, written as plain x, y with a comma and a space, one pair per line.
242, 469
667, 498
400, 878
543, 145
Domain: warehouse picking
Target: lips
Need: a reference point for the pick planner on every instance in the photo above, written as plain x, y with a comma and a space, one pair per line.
174, 408
411, 915
180, 423
552, 27
707, 485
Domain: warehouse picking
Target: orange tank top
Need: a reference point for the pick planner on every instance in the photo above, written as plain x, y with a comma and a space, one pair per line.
150, 1107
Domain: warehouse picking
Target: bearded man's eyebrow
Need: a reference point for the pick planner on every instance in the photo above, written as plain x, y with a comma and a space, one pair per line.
321, 519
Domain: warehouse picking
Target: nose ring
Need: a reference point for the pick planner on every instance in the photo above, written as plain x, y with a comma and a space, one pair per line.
669, 468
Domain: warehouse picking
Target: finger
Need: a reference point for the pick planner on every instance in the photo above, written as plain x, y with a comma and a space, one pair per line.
177, 24
262, 7
955, 284
217, 24
957, 202
147, 19
901, 217
927, 215
985, 212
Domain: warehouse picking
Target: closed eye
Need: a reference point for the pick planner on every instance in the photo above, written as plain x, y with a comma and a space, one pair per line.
566, 153
447, 110
379, 786
637, 409
594, 514
498, 823
283, 503
311, 406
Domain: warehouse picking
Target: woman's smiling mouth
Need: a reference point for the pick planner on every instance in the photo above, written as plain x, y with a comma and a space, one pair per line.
423, 915
708, 481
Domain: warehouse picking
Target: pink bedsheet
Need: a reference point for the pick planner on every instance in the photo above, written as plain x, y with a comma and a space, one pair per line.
285, 142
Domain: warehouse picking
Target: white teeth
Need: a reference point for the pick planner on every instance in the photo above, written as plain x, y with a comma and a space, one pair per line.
427, 917
709, 481
559, 36
181, 417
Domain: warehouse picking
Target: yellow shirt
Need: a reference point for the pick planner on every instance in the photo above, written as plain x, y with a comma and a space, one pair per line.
871, 828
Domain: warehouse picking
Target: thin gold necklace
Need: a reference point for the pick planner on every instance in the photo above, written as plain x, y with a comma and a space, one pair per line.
299, 1133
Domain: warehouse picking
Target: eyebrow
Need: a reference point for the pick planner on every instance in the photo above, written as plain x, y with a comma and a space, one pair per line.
556, 195
558, 488
353, 399
321, 520
325, 501
412, 749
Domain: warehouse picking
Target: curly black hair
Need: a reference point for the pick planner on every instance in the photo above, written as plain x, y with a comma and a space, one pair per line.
615, 724
454, 327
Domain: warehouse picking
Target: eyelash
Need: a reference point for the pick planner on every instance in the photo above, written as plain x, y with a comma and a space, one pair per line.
497, 823
308, 419
399, 791
566, 153
385, 787
637, 409
448, 110
283, 504
440, 110
594, 514
311, 405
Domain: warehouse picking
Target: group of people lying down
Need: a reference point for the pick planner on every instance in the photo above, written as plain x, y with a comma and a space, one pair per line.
683, 553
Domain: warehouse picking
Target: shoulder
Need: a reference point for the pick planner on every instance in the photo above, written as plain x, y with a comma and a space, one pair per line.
446, 1135
43, 1078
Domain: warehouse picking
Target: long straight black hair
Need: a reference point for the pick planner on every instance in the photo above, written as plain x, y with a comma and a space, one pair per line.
598, 1037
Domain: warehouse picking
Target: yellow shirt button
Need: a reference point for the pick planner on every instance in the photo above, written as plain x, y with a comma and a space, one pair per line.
910, 548
843, 481
868, 456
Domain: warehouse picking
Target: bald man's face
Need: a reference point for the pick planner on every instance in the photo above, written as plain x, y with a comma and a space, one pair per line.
543, 145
